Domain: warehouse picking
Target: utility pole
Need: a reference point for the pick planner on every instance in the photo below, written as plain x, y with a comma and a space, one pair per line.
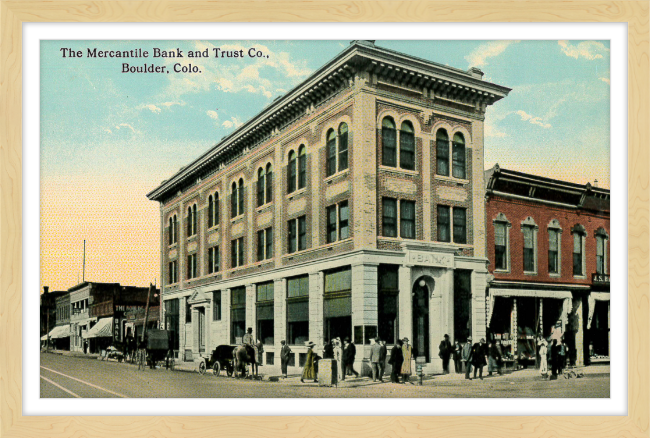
84, 265
146, 313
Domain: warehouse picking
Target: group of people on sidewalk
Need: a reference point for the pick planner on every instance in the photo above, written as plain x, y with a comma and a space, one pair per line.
470, 357
553, 355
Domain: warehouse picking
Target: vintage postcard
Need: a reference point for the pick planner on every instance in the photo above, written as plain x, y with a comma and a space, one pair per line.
325, 219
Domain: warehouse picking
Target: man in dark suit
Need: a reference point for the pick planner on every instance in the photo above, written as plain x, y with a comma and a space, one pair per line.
375, 352
444, 353
382, 359
396, 360
285, 353
349, 352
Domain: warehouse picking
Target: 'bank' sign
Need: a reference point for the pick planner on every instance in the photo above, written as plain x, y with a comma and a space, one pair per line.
431, 259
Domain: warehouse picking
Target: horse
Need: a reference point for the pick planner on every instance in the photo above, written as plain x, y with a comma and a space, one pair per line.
242, 356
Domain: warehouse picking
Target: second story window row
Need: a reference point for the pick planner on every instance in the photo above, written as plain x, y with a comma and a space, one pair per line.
448, 221
265, 244
214, 261
338, 216
406, 215
192, 268
297, 234
173, 272
237, 252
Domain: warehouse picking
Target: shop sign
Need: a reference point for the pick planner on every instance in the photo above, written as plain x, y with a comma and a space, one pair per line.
430, 259
124, 308
601, 279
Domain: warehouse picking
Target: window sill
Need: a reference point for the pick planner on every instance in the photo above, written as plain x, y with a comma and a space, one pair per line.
213, 228
399, 170
337, 174
555, 275
261, 208
296, 193
451, 179
502, 271
530, 273
192, 238
173, 245
580, 277
399, 239
237, 218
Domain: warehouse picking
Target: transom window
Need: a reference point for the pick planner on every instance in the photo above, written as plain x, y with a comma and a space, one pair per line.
337, 154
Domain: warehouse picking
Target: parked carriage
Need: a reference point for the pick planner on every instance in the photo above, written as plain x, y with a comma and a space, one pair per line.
158, 349
220, 359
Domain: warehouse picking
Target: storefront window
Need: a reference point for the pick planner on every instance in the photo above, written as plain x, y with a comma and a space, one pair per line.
337, 304
237, 314
265, 310
298, 310
388, 301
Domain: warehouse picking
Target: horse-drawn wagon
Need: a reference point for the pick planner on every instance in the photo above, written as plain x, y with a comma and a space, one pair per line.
157, 350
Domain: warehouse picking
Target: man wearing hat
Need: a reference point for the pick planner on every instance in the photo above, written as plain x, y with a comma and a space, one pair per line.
349, 353
407, 353
285, 353
466, 357
375, 353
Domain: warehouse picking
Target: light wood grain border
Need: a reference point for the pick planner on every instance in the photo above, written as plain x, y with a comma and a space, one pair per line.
14, 13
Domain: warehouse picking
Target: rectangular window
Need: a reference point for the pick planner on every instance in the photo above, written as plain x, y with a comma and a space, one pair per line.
458, 158
191, 266
292, 236
237, 314
240, 247
407, 219
389, 149
216, 305
407, 150
529, 249
444, 223
338, 280
331, 224
173, 272
302, 233
237, 252
460, 225
442, 157
260, 245
389, 217
298, 310
500, 254
577, 254
344, 217
553, 265
188, 311
265, 291
269, 243
600, 255
213, 260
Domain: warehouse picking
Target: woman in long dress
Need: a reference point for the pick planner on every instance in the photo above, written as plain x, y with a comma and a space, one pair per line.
309, 371
543, 358
407, 352
338, 356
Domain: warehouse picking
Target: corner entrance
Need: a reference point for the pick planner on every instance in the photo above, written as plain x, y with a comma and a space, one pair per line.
421, 320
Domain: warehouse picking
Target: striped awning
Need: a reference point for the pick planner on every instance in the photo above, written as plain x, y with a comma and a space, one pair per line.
103, 329
60, 331
557, 294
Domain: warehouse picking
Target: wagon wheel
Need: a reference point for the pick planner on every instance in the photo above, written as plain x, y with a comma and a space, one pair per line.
230, 369
202, 367
216, 368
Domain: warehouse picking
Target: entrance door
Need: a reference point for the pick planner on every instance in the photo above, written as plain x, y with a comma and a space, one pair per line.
201, 329
421, 321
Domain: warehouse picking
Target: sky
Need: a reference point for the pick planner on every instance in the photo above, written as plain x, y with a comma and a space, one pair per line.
108, 137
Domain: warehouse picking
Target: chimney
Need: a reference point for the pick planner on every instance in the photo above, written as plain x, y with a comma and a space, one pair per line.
596, 183
46, 289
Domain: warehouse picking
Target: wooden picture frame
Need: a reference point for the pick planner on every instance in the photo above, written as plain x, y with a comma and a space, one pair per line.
15, 13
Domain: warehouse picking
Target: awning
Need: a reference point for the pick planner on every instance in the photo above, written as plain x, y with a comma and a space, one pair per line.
600, 296
103, 329
61, 331
534, 293
591, 303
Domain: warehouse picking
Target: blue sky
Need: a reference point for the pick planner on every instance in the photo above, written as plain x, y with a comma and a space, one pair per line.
107, 138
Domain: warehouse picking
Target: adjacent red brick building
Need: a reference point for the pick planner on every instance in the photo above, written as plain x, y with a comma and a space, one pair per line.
548, 252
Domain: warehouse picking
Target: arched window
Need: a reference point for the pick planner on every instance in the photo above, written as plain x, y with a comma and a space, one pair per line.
389, 142
343, 146
407, 147
240, 195
233, 200
195, 219
291, 173
331, 153
261, 174
189, 221
442, 153
269, 182
458, 169
171, 230
175, 229
210, 211
302, 167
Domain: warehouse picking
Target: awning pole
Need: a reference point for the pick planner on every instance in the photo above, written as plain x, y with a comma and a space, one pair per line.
146, 313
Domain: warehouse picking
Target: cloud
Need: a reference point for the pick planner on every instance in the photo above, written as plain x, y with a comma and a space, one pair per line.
605, 80
107, 130
125, 125
151, 107
586, 49
478, 57
213, 114
490, 130
156, 109
233, 122
532, 119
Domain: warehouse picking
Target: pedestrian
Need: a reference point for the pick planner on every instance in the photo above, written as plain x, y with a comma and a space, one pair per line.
456, 356
375, 351
494, 359
396, 359
309, 370
349, 352
285, 353
85, 347
407, 353
466, 357
543, 359
382, 359
444, 352
562, 353
338, 356
554, 359
260, 352
328, 350
479, 358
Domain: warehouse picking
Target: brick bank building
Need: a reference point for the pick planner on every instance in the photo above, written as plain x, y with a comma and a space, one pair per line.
354, 205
